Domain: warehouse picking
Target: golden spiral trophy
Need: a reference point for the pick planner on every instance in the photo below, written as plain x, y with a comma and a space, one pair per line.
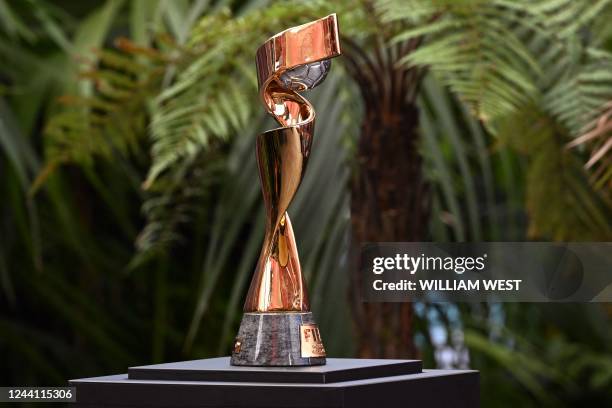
277, 327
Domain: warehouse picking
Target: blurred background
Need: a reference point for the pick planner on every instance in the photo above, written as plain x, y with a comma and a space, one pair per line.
131, 215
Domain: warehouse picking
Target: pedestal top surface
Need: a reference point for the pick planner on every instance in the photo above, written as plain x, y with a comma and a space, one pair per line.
219, 369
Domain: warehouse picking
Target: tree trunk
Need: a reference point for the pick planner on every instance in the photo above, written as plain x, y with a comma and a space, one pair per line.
389, 200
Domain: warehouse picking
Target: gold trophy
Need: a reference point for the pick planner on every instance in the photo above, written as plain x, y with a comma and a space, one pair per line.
277, 327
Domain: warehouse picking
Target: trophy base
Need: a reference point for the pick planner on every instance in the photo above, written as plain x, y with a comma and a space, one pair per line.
278, 339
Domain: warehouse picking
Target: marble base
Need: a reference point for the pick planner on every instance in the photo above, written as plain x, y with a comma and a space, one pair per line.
272, 339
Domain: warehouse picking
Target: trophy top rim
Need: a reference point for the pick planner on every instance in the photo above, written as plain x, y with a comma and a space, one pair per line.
296, 29
307, 43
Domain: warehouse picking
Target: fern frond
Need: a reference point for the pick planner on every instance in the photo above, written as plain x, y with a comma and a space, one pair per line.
112, 121
568, 17
175, 200
477, 53
578, 96
500, 55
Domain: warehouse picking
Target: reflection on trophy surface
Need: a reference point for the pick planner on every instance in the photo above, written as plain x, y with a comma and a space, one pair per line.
277, 328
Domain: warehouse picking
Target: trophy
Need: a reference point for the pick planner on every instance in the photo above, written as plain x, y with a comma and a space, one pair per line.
277, 327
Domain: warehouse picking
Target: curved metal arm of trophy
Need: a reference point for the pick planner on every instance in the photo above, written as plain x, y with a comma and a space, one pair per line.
292, 61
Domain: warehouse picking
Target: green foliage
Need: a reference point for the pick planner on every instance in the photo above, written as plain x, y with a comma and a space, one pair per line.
201, 106
461, 168
500, 55
473, 47
114, 118
536, 78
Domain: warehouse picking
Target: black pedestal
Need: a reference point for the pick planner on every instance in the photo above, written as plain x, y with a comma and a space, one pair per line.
341, 383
